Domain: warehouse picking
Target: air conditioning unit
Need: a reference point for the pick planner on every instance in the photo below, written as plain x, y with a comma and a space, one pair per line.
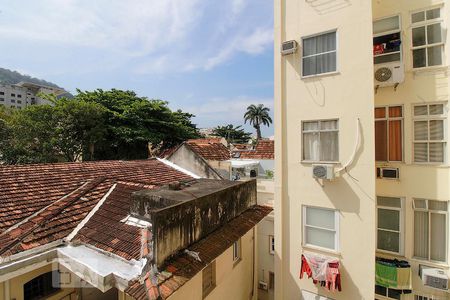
288, 47
263, 285
389, 74
323, 172
434, 278
388, 173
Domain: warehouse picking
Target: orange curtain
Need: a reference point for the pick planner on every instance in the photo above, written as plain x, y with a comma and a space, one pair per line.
381, 141
395, 140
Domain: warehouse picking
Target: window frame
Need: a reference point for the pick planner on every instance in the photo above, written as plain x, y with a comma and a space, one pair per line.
335, 30
237, 251
399, 31
336, 229
424, 24
44, 277
386, 296
429, 118
387, 119
206, 292
271, 280
303, 160
429, 212
271, 245
401, 246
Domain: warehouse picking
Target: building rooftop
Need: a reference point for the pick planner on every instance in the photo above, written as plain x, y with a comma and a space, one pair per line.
208, 149
183, 267
126, 211
264, 149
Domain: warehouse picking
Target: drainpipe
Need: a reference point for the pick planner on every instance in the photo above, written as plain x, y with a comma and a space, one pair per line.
253, 263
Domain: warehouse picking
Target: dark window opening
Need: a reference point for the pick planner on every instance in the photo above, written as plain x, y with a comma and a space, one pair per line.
42, 286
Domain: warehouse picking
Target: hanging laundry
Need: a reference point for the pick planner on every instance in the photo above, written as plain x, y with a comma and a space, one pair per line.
322, 269
393, 274
379, 49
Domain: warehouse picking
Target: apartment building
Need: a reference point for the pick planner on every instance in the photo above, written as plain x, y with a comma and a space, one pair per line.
23, 94
362, 162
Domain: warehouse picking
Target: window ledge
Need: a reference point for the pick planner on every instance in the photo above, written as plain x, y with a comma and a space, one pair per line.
387, 254
323, 251
236, 262
316, 76
430, 263
432, 69
309, 162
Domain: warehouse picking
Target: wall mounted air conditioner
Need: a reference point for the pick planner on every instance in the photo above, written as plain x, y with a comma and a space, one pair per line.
388, 173
323, 172
435, 278
389, 74
288, 47
263, 285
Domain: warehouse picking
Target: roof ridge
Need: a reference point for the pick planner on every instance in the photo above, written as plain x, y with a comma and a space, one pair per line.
20, 232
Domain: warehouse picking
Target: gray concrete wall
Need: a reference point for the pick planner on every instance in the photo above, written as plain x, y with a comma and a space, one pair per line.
178, 226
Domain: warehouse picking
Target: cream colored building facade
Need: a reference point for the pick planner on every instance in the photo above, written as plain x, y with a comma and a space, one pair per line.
233, 279
330, 109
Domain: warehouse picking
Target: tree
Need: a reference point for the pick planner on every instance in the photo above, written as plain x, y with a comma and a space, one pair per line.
93, 126
30, 136
235, 135
133, 122
80, 126
257, 115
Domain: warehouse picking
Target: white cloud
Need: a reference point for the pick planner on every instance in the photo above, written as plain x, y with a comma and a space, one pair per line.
151, 36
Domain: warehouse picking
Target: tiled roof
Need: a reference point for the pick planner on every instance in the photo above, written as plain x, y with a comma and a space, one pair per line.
265, 149
107, 231
180, 269
46, 202
209, 150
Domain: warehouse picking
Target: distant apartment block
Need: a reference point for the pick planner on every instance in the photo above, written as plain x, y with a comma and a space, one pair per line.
362, 158
23, 94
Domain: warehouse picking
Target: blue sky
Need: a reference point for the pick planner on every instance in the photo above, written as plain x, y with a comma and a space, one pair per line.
208, 57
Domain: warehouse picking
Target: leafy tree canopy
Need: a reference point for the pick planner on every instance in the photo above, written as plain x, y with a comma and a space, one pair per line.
234, 135
94, 125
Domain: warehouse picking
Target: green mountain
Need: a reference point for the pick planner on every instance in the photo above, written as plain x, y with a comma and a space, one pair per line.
13, 77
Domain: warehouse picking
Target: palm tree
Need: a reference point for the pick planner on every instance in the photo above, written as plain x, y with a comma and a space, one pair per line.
257, 115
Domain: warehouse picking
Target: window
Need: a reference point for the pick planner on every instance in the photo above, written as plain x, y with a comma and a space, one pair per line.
387, 40
320, 228
319, 54
389, 133
271, 244
19, 101
2, 93
19, 96
320, 141
430, 229
387, 293
427, 40
13, 95
271, 280
428, 297
237, 251
2, 99
209, 278
390, 224
429, 134
42, 286
13, 101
